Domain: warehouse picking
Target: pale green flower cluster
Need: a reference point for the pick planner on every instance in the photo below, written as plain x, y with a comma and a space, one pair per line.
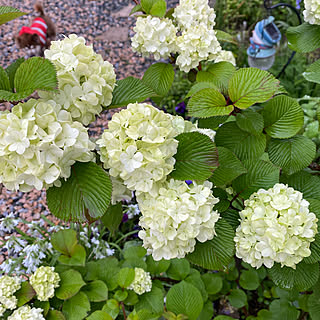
27, 313
8, 286
175, 216
193, 39
139, 145
39, 143
276, 226
142, 282
227, 56
86, 82
44, 281
154, 36
312, 11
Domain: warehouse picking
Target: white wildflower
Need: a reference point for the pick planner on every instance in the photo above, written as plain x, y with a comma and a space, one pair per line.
8, 224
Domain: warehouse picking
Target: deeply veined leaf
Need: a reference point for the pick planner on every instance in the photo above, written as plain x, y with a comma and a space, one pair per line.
283, 117
223, 36
12, 69
287, 153
99, 315
261, 174
315, 251
208, 103
196, 157
159, 8
77, 307
130, 90
147, 5
250, 121
282, 309
151, 301
199, 86
242, 143
159, 77
9, 13
304, 38
212, 122
217, 253
313, 72
185, 298
230, 167
301, 278
4, 81
314, 306
55, 315
85, 195
70, 283
250, 85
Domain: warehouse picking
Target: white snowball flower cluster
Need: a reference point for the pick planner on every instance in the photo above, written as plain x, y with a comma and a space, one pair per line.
39, 143
8, 286
142, 282
139, 146
27, 313
44, 281
312, 11
194, 12
276, 226
174, 217
196, 44
227, 56
154, 36
86, 82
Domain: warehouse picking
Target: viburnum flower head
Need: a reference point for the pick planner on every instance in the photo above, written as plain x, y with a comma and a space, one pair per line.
142, 281
191, 13
86, 82
39, 143
8, 286
154, 36
196, 44
312, 11
44, 281
175, 216
139, 145
27, 313
276, 226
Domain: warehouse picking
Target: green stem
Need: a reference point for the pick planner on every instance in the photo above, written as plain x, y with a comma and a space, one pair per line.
126, 235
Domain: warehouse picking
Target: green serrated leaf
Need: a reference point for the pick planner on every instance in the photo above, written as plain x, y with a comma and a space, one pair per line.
96, 291
157, 267
223, 36
70, 283
250, 121
304, 38
113, 217
208, 103
261, 174
249, 280
147, 5
282, 309
134, 252
125, 277
195, 279
196, 157
283, 117
99, 315
286, 153
237, 298
242, 143
135, 9
199, 86
151, 301
12, 69
77, 307
217, 253
301, 278
230, 167
212, 123
250, 85
9, 13
179, 269
315, 251
314, 306
213, 282
159, 77
313, 72
159, 8
85, 195
4, 81
130, 90
55, 315
186, 299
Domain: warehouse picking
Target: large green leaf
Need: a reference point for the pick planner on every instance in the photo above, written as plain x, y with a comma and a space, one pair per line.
179, 269
130, 90
230, 167
159, 77
250, 85
313, 72
157, 267
55, 315
223, 36
64, 241
249, 279
250, 121
212, 123
4, 80
196, 157
237, 298
113, 217
77, 307
242, 143
314, 306
213, 282
282, 309
283, 117
301, 278
99, 315
9, 13
199, 86
304, 38
77, 258
159, 8
315, 251
152, 301
70, 284
261, 174
96, 291
217, 253
185, 298
125, 277
208, 103
286, 153
12, 69
24, 294
85, 195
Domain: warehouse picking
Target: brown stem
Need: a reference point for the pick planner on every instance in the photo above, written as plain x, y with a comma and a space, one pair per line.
123, 310
136, 2
164, 279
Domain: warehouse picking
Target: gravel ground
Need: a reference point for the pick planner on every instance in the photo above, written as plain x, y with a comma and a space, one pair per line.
92, 20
